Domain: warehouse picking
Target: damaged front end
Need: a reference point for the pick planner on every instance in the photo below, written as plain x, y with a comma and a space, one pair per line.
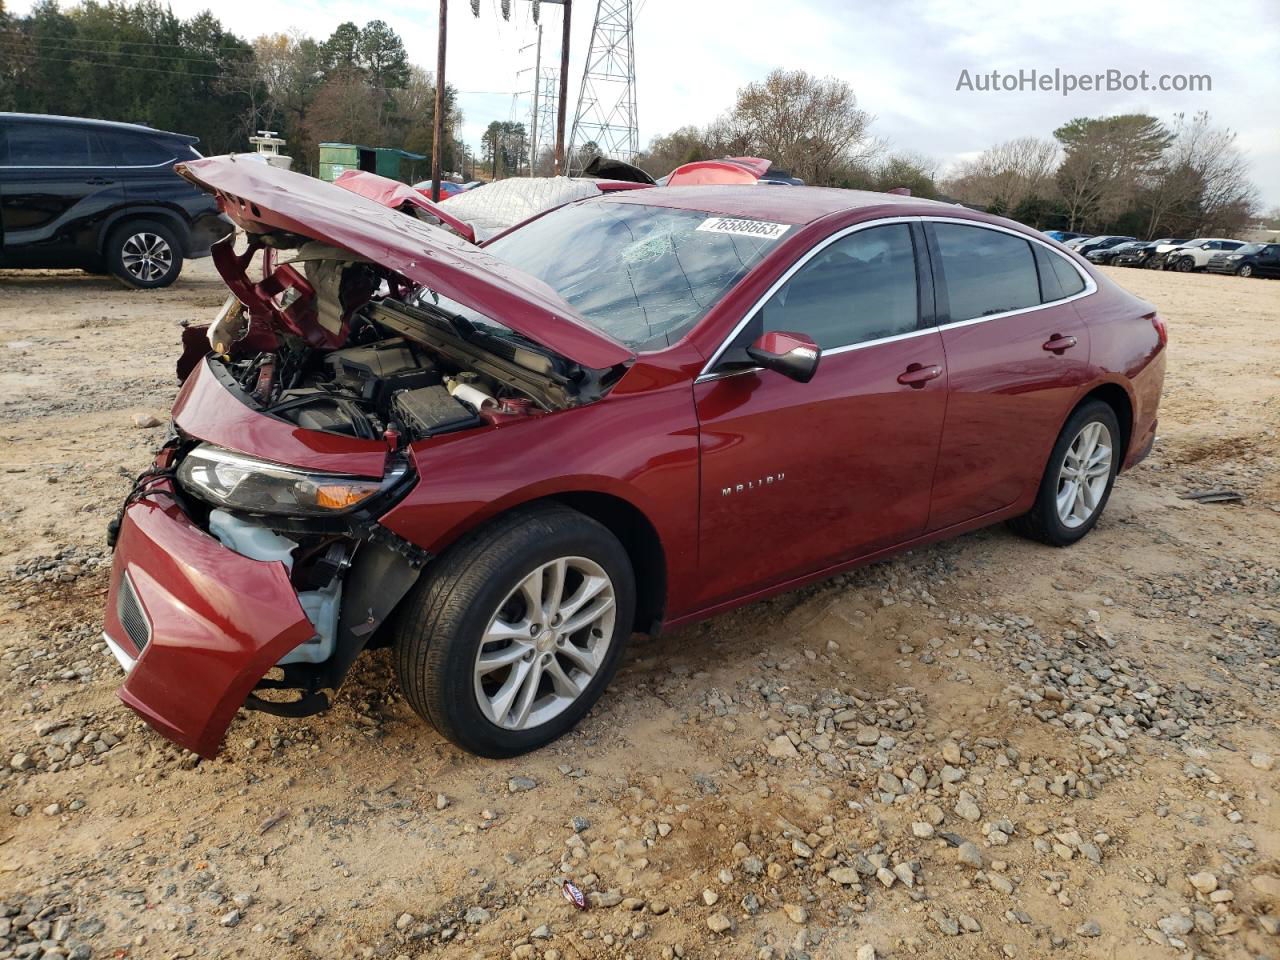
250, 565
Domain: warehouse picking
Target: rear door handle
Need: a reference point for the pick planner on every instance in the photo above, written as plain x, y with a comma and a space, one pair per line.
917, 375
1059, 344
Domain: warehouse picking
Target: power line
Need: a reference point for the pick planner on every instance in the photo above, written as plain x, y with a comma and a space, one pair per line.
63, 47
80, 39
103, 65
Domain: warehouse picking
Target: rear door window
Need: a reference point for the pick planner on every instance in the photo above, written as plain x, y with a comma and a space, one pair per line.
49, 145
985, 272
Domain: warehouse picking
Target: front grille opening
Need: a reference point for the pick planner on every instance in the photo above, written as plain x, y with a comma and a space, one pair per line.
129, 610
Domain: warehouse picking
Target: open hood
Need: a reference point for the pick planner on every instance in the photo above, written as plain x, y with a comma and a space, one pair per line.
261, 198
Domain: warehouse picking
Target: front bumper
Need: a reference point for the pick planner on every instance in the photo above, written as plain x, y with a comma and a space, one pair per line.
1224, 266
201, 623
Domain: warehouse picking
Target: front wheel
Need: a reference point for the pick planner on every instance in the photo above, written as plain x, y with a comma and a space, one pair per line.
1245, 271
1077, 480
513, 634
1186, 265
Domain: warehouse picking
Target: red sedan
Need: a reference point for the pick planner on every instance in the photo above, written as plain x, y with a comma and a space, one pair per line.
625, 414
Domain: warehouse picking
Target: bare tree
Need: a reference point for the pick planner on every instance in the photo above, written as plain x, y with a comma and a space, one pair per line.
809, 125
1007, 174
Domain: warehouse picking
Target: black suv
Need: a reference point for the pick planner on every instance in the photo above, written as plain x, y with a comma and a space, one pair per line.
101, 196
1251, 260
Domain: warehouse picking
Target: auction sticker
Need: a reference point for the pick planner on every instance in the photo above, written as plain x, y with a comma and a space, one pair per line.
744, 228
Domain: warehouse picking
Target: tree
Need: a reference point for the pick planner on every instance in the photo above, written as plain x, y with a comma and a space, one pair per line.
681, 146
505, 147
345, 110
1106, 161
381, 54
808, 125
341, 52
1006, 176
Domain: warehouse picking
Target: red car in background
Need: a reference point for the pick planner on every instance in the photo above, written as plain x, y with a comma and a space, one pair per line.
627, 414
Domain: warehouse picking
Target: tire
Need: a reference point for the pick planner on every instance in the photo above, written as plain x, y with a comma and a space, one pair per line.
1186, 265
438, 634
1245, 270
1045, 521
144, 254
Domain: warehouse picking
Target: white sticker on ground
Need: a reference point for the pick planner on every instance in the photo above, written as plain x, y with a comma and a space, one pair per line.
745, 228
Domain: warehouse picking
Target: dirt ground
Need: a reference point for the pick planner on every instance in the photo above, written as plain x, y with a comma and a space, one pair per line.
985, 748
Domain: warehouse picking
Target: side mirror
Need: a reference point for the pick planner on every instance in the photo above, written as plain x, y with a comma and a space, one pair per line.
791, 354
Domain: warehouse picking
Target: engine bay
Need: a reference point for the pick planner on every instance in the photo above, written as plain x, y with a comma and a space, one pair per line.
343, 346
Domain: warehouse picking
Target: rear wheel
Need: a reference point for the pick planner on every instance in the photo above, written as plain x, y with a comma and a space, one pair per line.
1078, 478
144, 254
513, 634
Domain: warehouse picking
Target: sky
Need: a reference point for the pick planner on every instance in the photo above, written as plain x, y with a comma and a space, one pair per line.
904, 60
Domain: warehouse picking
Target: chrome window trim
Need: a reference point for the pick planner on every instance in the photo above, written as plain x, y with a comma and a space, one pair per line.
1090, 288
90, 166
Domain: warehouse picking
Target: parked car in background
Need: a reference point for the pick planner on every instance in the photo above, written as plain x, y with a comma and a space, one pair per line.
102, 197
1062, 236
1138, 256
1104, 242
447, 188
503, 460
1107, 254
1155, 258
1251, 260
1195, 254
1074, 242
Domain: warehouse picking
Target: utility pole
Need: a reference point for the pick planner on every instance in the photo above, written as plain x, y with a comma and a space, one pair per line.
533, 127
437, 149
564, 90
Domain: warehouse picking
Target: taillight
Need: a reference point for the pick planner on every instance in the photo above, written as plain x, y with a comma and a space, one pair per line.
1162, 330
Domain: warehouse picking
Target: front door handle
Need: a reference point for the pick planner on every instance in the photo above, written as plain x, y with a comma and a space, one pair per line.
1059, 344
917, 375
99, 181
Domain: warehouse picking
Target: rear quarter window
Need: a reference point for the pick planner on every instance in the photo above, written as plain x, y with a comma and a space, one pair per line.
136, 149
1069, 280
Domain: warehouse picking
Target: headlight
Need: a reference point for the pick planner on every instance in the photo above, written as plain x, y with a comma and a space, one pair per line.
240, 482
1234, 256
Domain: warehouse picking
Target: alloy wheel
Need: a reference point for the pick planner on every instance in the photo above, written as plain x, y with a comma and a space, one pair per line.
146, 256
545, 643
1246, 271
1186, 265
1084, 475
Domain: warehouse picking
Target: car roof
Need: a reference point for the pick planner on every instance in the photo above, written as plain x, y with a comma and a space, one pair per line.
107, 124
795, 205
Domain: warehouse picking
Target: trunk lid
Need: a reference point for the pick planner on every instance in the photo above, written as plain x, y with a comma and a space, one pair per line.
261, 198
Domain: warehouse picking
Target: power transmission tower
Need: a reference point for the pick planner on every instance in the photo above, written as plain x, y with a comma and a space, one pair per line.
544, 114
606, 114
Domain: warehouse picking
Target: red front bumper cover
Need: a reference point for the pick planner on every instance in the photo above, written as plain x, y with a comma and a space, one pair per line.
204, 623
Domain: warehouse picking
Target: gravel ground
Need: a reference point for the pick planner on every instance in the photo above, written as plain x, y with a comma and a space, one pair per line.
985, 748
